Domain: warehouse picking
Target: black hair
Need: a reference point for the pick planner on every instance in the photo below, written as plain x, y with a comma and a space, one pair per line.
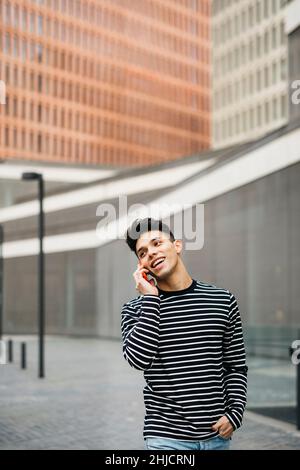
140, 226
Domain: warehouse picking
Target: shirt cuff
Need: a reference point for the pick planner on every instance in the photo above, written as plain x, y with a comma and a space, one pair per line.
233, 420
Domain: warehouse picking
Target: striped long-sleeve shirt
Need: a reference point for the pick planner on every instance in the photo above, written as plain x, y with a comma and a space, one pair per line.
189, 343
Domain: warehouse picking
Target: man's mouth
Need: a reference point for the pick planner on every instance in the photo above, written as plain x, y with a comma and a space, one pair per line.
157, 262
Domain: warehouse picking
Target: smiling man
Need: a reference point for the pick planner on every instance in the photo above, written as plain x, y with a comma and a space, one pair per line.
186, 335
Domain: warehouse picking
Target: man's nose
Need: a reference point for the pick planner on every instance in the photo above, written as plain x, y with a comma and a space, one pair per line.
152, 253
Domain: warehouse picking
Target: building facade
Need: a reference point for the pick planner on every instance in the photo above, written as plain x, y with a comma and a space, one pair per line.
292, 27
249, 69
250, 242
122, 82
251, 195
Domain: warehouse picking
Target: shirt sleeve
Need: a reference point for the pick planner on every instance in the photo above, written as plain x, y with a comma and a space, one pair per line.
140, 333
235, 368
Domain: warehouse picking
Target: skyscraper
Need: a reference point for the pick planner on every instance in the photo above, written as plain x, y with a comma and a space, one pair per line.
249, 69
110, 82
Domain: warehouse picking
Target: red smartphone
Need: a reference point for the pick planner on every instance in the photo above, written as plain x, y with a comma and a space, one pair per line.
148, 278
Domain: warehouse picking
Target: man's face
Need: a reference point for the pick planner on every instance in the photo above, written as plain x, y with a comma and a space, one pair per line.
158, 253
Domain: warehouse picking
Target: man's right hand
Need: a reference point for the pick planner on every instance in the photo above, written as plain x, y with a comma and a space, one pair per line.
143, 286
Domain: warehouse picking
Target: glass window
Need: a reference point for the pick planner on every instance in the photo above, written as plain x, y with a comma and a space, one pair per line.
258, 80
237, 90
266, 41
275, 110
16, 76
282, 33
258, 12
243, 54
283, 105
15, 16
40, 83
40, 24
251, 83
7, 106
31, 112
237, 123
39, 53
259, 115
244, 21
251, 49
7, 44
283, 69
32, 81
244, 86
266, 74
23, 109
15, 138
6, 137
229, 127
32, 22
7, 13
24, 17
251, 16
274, 72
274, 37
24, 78
7, 73
267, 112
251, 118
39, 113
236, 24
266, 8
15, 107
23, 50
15, 47
236, 57
32, 51
244, 121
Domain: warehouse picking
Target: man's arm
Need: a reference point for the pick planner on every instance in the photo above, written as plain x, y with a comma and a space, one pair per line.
140, 333
234, 362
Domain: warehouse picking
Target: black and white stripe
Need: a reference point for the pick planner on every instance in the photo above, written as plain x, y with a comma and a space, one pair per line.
189, 344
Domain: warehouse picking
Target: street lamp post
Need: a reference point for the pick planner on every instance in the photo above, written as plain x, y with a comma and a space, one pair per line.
41, 269
1, 280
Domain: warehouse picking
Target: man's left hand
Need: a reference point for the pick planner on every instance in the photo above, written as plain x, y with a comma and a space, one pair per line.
224, 427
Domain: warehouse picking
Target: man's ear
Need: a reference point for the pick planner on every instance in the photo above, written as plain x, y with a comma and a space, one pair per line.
178, 246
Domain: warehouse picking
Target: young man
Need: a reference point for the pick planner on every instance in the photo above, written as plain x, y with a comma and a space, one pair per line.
187, 338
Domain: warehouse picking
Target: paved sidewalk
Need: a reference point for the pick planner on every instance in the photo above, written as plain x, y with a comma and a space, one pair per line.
92, 399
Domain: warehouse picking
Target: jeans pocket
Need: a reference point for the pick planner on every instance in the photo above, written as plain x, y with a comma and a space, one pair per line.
154, 443
224, 438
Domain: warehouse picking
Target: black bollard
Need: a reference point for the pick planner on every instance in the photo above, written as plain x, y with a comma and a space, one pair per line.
10, 351
298, 396
23, 355
295, 350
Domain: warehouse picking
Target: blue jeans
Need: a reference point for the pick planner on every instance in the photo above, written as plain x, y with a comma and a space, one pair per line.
161, 443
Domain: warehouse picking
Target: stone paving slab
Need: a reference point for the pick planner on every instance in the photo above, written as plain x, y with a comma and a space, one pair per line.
92, 399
